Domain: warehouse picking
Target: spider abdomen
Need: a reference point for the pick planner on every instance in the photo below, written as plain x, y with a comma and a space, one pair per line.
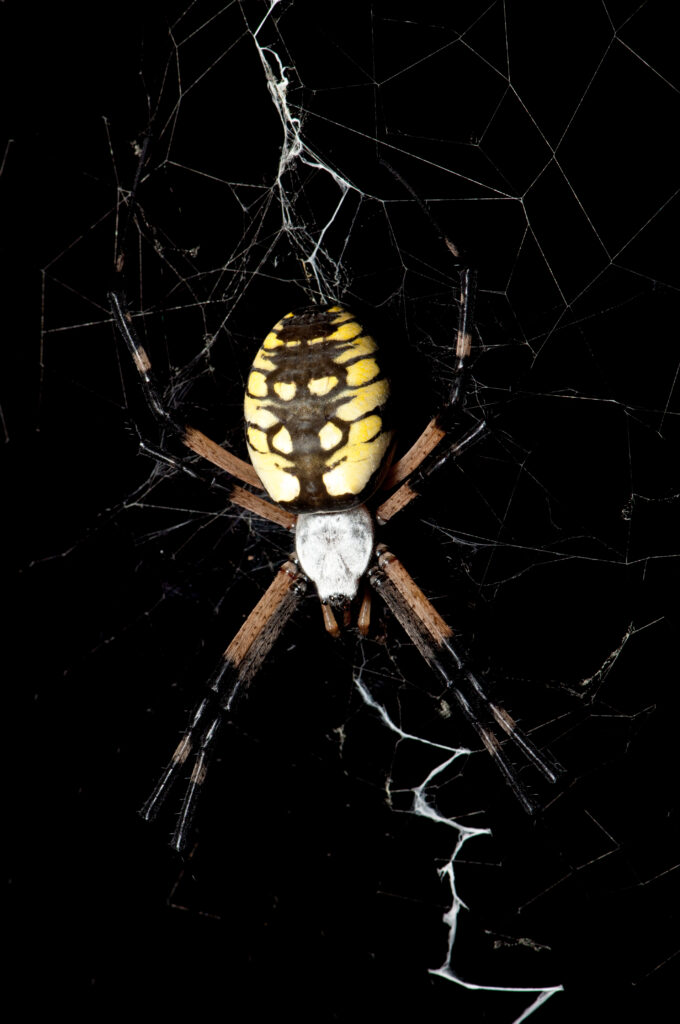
317, 412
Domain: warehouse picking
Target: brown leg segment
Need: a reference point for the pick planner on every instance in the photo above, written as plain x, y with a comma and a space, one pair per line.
433, 638
409, 490
240, 663
364, 617
192, 438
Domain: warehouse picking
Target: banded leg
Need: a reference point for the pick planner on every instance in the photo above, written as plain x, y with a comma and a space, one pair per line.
239, 665
193, 439
439, 426
433, 638
409, 490
423, 458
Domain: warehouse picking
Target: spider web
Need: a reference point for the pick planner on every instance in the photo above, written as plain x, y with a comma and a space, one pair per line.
227, 165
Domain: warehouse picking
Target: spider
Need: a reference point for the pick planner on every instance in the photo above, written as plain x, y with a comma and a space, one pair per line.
319, 428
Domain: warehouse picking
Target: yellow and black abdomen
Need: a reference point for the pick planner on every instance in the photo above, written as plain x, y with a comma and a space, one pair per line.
317, 412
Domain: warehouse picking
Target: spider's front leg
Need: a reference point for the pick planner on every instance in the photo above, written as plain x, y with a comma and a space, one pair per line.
434, 639
241, 661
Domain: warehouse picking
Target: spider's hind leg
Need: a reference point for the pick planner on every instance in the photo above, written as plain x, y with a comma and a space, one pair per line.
438, 427
432, 449
190, 437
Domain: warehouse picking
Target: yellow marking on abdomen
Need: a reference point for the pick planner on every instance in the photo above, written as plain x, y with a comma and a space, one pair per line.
257, 414
359, 463
346, 331
364, 400
360, 373
262, 362
363, 346
314, 411
271, 469
322, 385
257, 384
285, 391
257, 439
330, 436
364, 430
282, 441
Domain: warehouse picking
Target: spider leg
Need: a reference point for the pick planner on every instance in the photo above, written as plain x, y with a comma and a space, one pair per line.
438, 426
192, 438
421, 460
233, 492
239, 665
409, 490
433, 638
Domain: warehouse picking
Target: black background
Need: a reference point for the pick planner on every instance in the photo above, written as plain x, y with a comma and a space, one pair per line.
546, 546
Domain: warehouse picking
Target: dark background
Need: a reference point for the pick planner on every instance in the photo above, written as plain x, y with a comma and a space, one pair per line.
543, 144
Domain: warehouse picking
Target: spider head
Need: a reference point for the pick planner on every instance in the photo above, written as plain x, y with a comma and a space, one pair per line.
334, 549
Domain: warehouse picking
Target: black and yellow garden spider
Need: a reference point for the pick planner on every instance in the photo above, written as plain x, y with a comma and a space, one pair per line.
320, 434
